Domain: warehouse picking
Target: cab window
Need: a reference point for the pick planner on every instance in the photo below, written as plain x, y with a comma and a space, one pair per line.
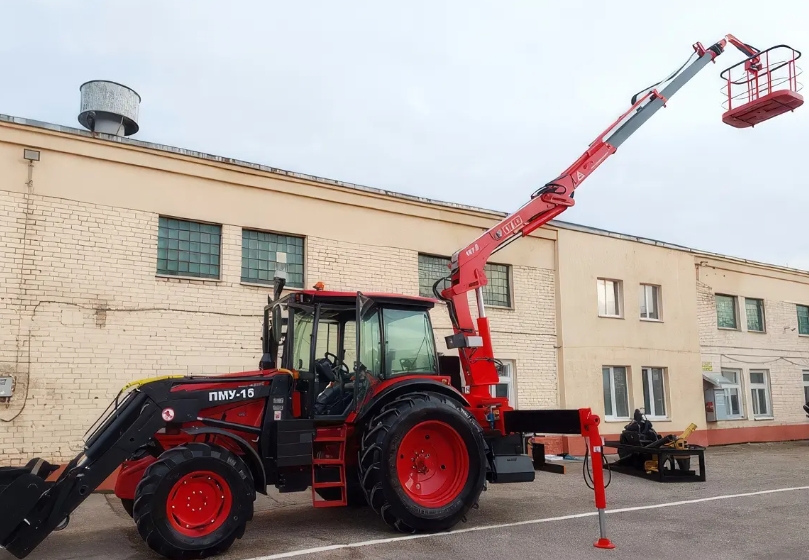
303, 321
409, 345
370, 347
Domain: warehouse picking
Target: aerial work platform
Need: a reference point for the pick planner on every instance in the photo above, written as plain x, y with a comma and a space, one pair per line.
763, 86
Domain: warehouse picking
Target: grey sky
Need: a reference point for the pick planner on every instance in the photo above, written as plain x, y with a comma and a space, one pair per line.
471, 102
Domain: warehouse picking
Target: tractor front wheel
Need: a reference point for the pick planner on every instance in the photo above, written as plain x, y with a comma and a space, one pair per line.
194, 501
423, 462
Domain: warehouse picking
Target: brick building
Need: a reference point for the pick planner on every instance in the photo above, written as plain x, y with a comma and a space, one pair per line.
122, 259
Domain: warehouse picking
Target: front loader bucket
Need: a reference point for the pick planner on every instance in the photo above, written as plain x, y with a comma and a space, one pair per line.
32, 507
20, 491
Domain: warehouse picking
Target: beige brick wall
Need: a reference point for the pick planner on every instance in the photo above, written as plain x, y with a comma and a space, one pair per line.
94, 316
12, 225
780, 350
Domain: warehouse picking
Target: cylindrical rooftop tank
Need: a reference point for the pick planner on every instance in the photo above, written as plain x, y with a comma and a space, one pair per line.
109, 107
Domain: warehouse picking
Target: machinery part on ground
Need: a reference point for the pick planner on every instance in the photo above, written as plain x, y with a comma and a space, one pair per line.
423, 463
194, 501
678, 442
640, 433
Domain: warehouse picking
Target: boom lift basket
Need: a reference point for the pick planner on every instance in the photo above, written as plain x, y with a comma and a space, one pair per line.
761, 87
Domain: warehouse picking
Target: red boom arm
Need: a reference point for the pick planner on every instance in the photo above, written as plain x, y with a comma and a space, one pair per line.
473, 339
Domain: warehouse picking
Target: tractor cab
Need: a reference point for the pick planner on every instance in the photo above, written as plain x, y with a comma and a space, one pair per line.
338, 365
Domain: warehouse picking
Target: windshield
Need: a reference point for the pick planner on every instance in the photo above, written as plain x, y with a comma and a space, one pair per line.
408, 342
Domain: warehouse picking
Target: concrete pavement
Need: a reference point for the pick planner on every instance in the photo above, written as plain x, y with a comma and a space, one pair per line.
510, 520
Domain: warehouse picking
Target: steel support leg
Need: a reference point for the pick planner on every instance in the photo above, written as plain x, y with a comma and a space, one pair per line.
589, 429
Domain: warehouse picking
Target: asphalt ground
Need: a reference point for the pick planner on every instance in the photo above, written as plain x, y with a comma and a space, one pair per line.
753, 505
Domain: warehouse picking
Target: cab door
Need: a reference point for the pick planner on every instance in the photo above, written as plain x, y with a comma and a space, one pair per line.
368, 366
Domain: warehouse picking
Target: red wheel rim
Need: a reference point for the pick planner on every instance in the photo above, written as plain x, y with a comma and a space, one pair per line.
199, 503
432, 464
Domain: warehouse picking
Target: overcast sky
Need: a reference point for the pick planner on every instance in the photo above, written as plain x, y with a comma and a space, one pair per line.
471, 102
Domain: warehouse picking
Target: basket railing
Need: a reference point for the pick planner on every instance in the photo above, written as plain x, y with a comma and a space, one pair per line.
766, 72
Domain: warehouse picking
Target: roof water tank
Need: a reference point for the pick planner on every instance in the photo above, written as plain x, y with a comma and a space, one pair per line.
109, 107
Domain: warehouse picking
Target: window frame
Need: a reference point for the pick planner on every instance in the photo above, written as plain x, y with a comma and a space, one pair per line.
764, 386
613, 417
739, 386
762, 315
509, 380
658, 300
259, 282
805, 375
509, 270
619, 297
188, 274
646, 372
736, 318
798, 307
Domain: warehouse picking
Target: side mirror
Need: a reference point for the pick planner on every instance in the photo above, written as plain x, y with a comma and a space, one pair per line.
278, 287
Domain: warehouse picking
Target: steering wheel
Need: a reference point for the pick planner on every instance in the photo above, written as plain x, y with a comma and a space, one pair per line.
338, 367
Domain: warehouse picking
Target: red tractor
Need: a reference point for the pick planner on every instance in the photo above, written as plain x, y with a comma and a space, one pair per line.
350, 399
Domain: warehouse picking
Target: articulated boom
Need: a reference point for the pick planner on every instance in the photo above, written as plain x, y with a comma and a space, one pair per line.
473, 338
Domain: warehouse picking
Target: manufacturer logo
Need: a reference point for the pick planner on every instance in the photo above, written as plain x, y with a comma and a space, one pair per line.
512, 225
218, 396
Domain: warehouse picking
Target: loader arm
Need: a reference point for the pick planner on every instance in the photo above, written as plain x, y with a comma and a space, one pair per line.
472, 338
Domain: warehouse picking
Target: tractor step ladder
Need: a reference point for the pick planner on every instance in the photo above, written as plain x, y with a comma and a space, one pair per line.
328, 460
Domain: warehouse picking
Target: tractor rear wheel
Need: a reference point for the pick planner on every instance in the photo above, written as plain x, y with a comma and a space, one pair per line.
194, 501
423, 462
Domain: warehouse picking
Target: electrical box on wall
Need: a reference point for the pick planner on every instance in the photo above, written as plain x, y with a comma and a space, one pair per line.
6, 387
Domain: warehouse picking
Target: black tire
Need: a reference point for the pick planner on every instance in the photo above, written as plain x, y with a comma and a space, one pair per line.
379, 454
154, 492
129, 506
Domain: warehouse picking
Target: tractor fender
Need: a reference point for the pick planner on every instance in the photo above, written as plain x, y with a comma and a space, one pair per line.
250, 455
409, 386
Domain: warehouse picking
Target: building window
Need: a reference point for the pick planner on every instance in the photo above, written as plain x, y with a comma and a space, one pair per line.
609, 298
186, 248
760, 390
730, 407
654, 392
616, 392
754, 309
806, 386
650, 302
496, 292
259, 257
726, 312
803, 319
431, 269
505, 387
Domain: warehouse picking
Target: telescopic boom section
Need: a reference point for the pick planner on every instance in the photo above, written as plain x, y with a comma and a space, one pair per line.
472, 338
